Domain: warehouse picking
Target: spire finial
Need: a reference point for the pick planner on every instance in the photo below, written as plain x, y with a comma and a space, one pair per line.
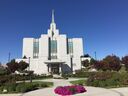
52, 16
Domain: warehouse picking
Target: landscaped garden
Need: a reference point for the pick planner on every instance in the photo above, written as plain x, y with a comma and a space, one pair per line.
104, 79
23, 87
111, 73
10, 82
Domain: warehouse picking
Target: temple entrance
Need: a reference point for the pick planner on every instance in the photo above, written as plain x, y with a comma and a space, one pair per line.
55, 68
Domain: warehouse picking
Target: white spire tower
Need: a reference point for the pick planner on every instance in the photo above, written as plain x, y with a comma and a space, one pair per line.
53, 24
53, 31
52, 16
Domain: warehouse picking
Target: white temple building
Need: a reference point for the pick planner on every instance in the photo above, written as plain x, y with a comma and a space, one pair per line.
53, 52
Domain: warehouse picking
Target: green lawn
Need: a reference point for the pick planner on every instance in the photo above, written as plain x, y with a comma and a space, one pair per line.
79, 82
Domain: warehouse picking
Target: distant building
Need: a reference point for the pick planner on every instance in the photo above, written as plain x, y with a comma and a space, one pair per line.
53, 52
85, 57
3, 65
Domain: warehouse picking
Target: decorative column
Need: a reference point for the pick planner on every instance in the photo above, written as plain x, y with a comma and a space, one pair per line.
50, 71
71, 61
48, 68
60, 69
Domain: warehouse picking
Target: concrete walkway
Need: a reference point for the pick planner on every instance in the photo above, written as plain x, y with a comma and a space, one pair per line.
91, 91
122, 91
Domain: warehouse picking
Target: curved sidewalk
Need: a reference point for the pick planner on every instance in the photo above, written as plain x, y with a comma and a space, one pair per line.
91, 91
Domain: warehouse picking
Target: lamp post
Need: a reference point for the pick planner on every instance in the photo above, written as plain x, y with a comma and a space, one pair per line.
29, 63
29, 70
71, 56
81, 61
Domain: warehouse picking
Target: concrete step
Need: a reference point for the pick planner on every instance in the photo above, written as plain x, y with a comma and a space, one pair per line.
56, 76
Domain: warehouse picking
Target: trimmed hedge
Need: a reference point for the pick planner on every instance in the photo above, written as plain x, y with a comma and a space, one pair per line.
27, 77
13, 78
24, 87
79, 74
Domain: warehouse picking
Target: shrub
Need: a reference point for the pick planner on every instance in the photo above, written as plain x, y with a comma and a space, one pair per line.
5, 79
29, 87
79, 74
108, 79
1, 89
19, 87
11, 87
24, 87
27, 77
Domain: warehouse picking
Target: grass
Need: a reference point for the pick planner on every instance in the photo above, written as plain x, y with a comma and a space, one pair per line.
79, 82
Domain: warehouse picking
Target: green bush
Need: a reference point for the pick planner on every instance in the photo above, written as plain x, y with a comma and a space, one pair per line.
3, 71
27, 77
11, 87
24, 87
21, 88
1, 89
108, 79
27, 87
5, 79
79, 74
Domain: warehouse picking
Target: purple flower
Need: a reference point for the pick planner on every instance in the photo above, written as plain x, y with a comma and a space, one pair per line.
69, 90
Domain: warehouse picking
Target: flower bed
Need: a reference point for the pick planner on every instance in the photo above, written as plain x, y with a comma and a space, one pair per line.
69, 90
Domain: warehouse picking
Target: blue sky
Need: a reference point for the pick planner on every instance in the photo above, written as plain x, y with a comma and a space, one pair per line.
103, 24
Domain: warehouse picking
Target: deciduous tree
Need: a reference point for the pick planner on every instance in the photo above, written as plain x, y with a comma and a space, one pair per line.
85, 63
113, 62
125, 62
22, 65
12, 66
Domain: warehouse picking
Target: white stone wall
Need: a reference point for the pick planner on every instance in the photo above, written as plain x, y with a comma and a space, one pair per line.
62, 47
28, 47
38, 66
77, 47
77, 53
44, 47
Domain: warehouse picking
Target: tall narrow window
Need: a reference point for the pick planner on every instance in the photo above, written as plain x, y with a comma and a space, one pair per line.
70, 47
36, 48
53, 49
53, 46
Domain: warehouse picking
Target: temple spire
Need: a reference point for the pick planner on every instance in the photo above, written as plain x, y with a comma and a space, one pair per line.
53, 31
53, 21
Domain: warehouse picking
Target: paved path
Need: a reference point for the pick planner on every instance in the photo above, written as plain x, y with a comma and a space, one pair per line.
121, 91
48, 91
91, 91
